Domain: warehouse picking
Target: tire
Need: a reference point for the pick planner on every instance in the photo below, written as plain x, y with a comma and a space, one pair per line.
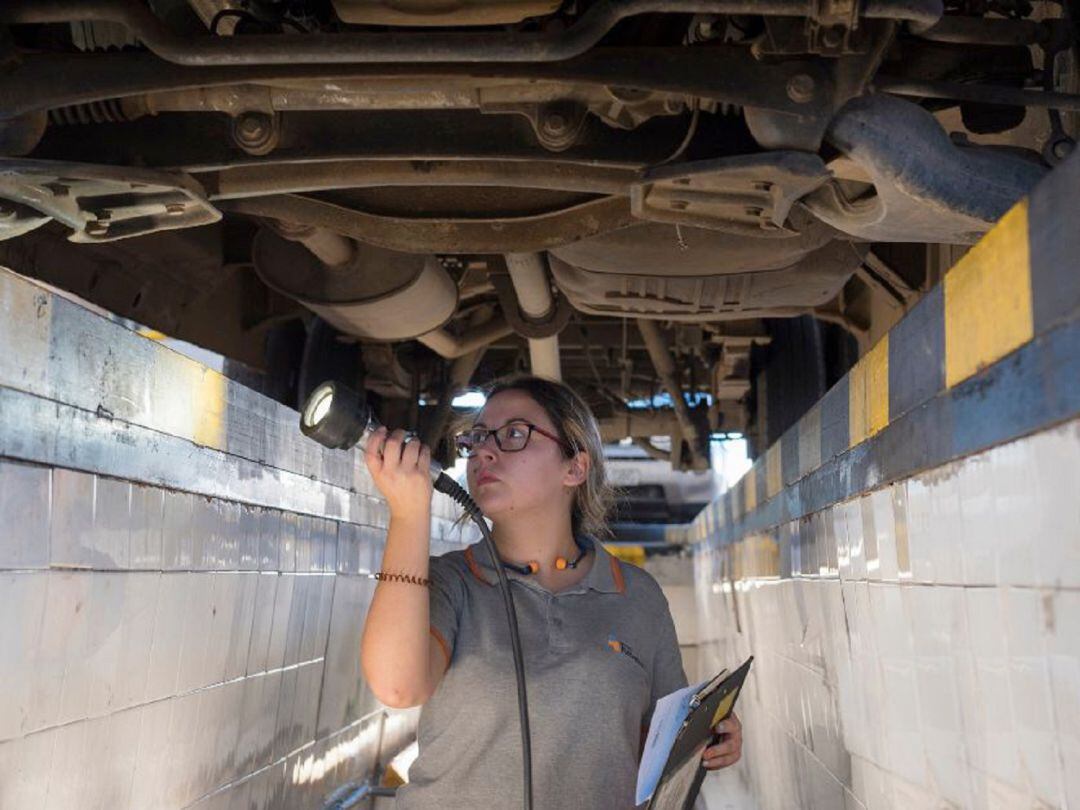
284, 352
327, 357
790, 377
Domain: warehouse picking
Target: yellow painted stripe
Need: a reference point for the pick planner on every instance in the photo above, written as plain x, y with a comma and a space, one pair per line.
988, 299
868, 393
773, 469
209, 409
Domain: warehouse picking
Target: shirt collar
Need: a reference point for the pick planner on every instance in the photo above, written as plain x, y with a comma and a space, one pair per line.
605, 576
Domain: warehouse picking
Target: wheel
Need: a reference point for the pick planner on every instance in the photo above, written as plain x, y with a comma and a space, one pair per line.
804, 358
328, 355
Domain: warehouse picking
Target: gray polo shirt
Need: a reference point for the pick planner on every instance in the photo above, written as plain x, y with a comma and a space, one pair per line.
597, 658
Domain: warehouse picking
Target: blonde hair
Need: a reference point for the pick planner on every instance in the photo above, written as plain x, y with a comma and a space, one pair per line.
579, 431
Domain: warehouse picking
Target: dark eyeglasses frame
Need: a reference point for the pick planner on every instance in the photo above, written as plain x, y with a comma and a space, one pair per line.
493, 433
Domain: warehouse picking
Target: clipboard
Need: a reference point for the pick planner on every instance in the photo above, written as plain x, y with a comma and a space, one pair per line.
683, 773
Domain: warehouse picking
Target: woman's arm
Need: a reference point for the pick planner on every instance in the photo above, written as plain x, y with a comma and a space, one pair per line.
401, 660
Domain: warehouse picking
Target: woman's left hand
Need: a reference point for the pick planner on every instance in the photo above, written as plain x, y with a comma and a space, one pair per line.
729, 749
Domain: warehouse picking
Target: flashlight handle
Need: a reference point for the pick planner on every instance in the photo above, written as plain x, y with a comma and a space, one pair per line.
436, 468
374, 424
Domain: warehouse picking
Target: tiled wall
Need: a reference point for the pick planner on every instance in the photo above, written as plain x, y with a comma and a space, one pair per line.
183, 581
158, 647
917, 646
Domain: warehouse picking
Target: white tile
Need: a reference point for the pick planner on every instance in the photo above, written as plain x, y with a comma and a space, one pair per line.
140, 602
1063, 648
231, 535
153, 755
938, 617
217, 718
112, 524
194, 669
831, 543
72, 526
262, 621
294, 632
22, 604
179, 776
1026, 615
903, 727
103, 640
176, 533
287, 541
111, 748
147, 517
304, 526
870, 785
25, 504
920, 530
853, 522
269, 542
205, 533
31, 760
224, 589
870, 538
169, 620
946, 524
981, 540
987, 628
906, 794
1057, 461
900, 531
248, 532
1014, 484
881, 502
283, 599
243, 620
69, 767
843, 542
63, 649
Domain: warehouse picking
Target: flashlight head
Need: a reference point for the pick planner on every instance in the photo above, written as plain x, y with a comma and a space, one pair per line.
335, 416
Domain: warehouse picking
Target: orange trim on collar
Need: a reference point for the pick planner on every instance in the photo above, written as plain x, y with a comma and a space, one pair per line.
616, 573
474, 566
442, 643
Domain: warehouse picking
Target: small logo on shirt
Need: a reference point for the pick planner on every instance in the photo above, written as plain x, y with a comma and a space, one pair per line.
624, 648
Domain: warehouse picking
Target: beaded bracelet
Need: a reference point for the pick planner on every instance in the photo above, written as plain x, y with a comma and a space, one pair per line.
383, 576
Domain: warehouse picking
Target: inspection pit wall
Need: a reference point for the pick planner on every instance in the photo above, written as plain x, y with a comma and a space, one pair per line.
183, 580
904, 564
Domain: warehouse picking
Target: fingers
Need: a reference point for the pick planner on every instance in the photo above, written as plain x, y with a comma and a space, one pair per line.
722, 755
390, 451
721, 749
729, 749
373, 451
410, 451
720, 762
730, 725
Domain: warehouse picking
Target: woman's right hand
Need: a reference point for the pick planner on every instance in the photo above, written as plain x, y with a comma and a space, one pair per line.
401, 471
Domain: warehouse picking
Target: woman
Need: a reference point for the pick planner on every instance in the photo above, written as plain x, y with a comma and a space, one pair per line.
599, 642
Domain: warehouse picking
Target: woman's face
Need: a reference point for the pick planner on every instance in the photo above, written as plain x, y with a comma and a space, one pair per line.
536, 478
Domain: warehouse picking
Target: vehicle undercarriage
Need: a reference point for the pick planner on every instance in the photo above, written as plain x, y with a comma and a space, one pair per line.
722, 201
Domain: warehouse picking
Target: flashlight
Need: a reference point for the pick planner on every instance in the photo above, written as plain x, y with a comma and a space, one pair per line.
337, 417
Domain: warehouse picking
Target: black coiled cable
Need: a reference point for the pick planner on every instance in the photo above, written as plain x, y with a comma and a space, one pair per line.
448, 486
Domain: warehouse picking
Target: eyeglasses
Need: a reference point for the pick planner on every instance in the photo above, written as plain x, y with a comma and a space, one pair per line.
510, 438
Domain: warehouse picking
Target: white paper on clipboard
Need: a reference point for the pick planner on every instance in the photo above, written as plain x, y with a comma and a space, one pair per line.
668, 717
